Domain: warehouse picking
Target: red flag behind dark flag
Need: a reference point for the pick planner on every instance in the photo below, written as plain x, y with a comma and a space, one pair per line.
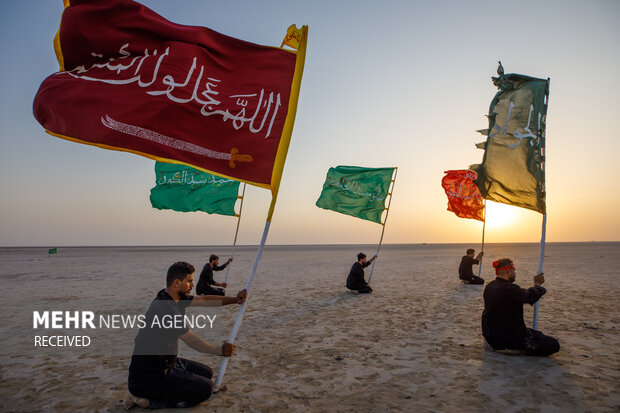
464, 197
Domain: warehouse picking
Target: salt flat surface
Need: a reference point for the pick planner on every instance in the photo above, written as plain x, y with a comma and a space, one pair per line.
307, 344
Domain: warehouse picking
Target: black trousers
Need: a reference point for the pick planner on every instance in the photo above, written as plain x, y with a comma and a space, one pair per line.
474, 280
538, 344
186, 384
363, 290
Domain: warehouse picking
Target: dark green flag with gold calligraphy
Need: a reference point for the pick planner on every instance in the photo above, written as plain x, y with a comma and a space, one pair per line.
182, 188
356, 191
512, 170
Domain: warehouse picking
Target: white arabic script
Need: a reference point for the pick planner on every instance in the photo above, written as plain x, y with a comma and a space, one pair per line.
145, 71
517, 132
189, 178
350, 187
467, 189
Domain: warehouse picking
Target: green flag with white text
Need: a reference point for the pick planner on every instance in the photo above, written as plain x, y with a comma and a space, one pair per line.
185, 189
356, 191
512, 170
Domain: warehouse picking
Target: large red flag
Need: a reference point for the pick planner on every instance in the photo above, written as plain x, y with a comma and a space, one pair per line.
133, 81
464, 197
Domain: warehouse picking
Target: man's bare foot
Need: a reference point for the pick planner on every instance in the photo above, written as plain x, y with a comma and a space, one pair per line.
128, 403
132, 401
144, 403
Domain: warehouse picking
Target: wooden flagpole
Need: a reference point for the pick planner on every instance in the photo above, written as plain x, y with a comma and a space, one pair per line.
237, 231
383, 224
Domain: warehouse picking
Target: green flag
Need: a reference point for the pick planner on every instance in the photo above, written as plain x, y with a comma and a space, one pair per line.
512, 169
356, 191
52, 251
182, 188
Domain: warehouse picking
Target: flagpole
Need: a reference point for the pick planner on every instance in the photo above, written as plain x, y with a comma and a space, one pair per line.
235, 329
543, 157
237, 231
275, 188
540, 266
484, 224
383, 224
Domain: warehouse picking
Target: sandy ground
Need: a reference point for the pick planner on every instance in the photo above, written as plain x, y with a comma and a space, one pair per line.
306, 344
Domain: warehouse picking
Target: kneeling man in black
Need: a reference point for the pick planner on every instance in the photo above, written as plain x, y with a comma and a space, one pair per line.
157, 377
465, 268
355, 280
502, 319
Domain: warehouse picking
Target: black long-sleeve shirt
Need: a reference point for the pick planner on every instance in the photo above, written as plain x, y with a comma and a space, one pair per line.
502, 319
465, 271
356, 280
206, 277
156, 347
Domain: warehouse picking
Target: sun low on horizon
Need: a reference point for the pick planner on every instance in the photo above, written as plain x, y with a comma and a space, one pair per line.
499, 215
508, 223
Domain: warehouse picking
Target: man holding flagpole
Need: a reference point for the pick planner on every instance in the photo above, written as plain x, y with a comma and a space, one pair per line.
503, 327
157, 377
206, 283
355, 280
465, 268
141, 60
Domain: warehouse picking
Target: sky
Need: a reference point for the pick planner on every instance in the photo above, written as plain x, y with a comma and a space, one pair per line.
391, 83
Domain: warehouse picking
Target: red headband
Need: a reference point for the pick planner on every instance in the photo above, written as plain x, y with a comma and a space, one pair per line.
497, 269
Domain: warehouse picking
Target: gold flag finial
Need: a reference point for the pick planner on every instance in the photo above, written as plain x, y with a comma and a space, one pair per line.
292, 37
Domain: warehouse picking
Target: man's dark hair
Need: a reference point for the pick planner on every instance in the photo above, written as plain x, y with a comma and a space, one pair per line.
502, 262
178, 271
470, 251
213, 257
360, 256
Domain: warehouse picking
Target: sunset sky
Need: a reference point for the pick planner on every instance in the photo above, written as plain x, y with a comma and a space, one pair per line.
392, 83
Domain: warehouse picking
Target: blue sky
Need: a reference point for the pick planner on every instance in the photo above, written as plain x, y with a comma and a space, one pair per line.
394, 83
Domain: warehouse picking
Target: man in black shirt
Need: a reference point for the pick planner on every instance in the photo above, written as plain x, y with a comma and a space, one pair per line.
465, 272
157, 377
355, 280
206, 282
502, 319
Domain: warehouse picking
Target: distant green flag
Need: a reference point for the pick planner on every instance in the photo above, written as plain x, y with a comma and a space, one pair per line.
52, 250
512, 169
356, 191
186, 189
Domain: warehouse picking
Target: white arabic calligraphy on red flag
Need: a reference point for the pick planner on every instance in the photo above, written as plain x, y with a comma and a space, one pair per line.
130, 80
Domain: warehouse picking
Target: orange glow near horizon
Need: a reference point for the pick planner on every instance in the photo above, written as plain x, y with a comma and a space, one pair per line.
500, 215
